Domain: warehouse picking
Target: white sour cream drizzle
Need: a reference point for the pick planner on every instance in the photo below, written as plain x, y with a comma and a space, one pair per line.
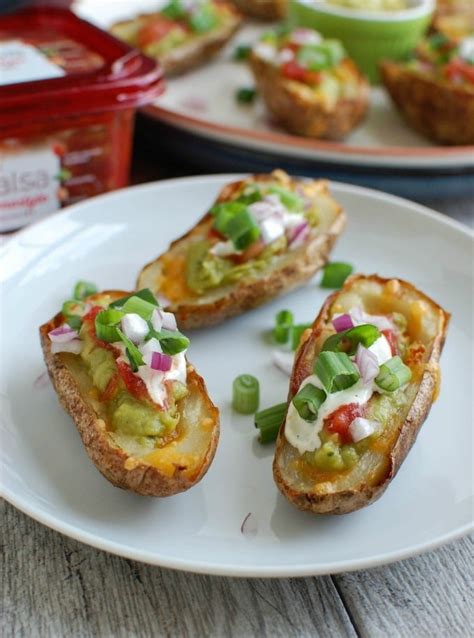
303, 435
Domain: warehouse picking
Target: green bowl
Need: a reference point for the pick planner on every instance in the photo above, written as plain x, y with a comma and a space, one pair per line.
368, 36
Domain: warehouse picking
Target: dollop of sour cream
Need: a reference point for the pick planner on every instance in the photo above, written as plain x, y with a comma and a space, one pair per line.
304, 435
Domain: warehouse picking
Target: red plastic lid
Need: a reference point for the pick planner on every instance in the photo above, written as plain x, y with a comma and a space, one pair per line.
69, 67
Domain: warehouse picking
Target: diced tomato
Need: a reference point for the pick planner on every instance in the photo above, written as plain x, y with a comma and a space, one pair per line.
109, 391
338, 422
458, 69
213, 234
134, 384
294, 71
92, 314
156, 30
392, 340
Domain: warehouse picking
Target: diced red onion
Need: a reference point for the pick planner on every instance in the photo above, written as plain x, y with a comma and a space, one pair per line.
367, 363
343, 322
161, 362
63, 334
299, 234
284, 361
74, 346
361, 428
379, 321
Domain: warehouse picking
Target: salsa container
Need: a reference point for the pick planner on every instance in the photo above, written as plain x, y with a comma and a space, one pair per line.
68, 95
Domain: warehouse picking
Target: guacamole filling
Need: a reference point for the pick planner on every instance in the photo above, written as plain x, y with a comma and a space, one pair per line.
260, 222
358, 383
302, 55
135, 359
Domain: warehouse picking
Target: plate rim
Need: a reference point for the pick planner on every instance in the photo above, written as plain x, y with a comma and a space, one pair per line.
225, 569
334, 152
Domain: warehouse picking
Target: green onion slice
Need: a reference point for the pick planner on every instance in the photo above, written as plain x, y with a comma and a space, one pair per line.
336, 371
269, 421
173, 10
171, 341
283, 324
139, 306
242, 52
246, 95
393, 374
308, 401
242, 229
335, 274
133, 353
291, 200
106, 323
245, 394
144, 294
83, 289
296, 333
203, 19
348, 340
72, 312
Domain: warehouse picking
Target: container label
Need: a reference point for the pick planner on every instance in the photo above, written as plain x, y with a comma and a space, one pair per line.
30, 181
21, 62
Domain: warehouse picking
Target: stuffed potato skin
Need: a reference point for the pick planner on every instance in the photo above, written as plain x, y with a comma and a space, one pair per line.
171, 474
437, 109
190, 54
362, 486
299, 111
292, 272
263, 9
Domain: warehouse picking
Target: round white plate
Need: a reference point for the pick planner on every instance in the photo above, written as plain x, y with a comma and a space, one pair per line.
202, 102
47, 474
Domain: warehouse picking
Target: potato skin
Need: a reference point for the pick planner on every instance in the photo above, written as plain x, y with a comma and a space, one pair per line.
264, 9
111, 460
299, 112
361, 495
438, 110
195, 53
246, 296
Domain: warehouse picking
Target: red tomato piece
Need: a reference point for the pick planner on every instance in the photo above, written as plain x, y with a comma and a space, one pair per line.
156, 30
392, 340
338, 422
109, 391
458, 69
134, 384
294, 71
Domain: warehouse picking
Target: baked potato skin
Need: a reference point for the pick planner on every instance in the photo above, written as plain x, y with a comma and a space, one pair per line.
113, 462
192, 54
438, 110
263, 9
350, 500
246, 296
299, 112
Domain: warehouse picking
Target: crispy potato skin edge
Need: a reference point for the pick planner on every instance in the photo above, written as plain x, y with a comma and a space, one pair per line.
440, 112
352, 500
143, 479
264, 9
246, 296
302, 116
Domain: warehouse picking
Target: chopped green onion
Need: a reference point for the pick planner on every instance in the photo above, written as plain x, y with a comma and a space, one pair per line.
283, 324
245, 394
393, 374
296, 333
83, 289
133, 353
348, 340
174, 10
314, 57
72, 311
139, 306
242, 229
144, 294
269, 421
242, 52
308, 401
171, 341
203, 19
291, 200
336, 371
106, 323
224, 212
250, 195
335, 274
245, 95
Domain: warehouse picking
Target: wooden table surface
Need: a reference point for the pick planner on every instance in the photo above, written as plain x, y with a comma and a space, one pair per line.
55, 586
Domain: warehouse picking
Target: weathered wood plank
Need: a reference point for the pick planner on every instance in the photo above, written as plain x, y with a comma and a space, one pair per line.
55, 586
430, 595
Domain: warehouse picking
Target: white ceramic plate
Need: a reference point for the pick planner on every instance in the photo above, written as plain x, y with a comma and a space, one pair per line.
45, 470
202, 102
